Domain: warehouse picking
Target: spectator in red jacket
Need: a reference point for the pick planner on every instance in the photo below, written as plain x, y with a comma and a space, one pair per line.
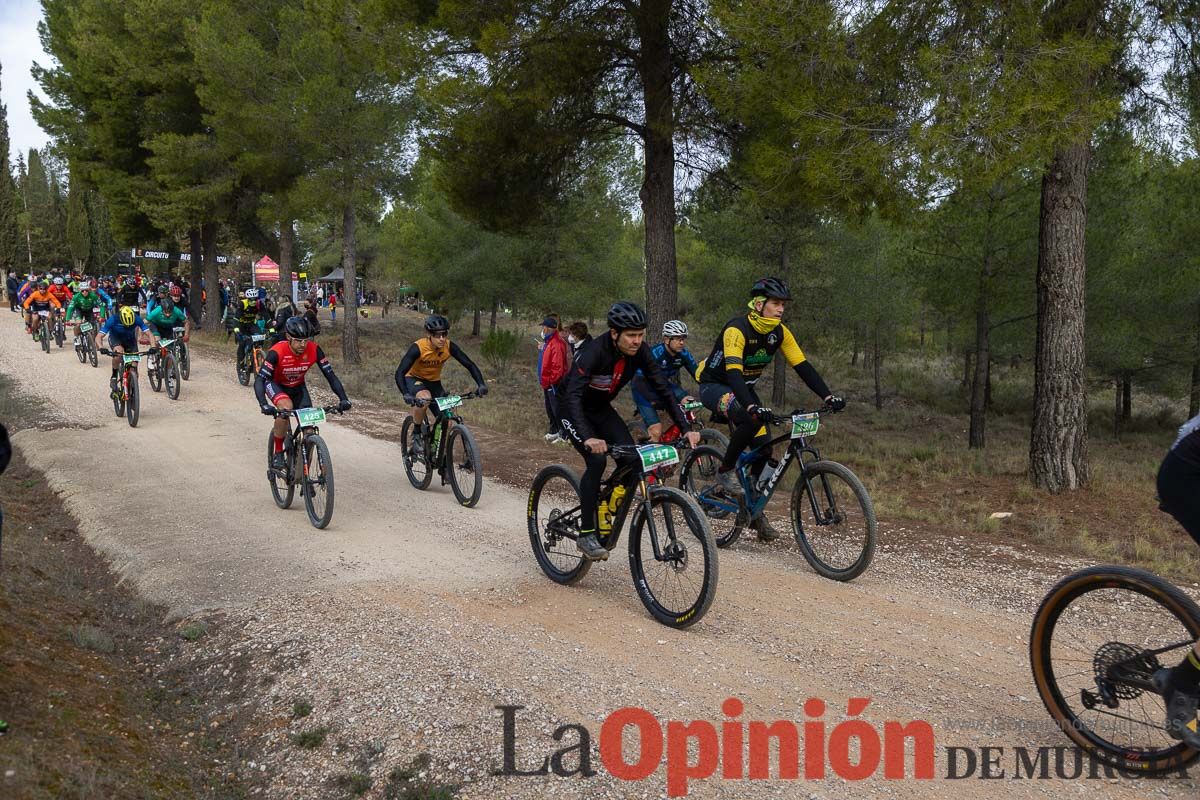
553, 361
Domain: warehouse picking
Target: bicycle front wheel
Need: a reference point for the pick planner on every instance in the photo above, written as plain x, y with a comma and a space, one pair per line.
678, 585
1096, 641
553, 513
466, 470
416, 461
81, 350
132, 400
45, 337
698, 478
714, 438
154, 372
243, 371
317, 484
93, 353
60, 334
171, 377
185, 362
833, 520
282, 487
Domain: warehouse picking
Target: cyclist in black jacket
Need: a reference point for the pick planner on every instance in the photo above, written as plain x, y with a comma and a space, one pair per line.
601, 369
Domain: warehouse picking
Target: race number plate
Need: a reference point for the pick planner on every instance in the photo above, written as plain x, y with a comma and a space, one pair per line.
132, 359
43, 313
178, 332
447, 403
805, 425
258, 337
85, 326
310, 416
657, 455
695, 405
166, 342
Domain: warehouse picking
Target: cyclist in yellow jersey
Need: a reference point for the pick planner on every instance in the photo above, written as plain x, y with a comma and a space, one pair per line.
419, 376
742, 352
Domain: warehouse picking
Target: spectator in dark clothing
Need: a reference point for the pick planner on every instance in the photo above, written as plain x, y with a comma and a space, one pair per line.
12, 286
578, 336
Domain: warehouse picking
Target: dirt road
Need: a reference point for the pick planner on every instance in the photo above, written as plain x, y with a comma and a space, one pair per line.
409, 619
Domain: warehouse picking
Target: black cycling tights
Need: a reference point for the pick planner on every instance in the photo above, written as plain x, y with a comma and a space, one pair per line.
1178, 482
606, 424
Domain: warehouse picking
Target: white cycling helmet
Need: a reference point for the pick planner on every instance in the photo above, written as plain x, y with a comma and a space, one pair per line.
58, 282
674, 328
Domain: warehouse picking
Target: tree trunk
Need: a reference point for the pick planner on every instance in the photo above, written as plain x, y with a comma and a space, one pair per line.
212, 273
287, 247
350, 304
495, 310
780, 381
1194, 395
658, 186
196, 274
877, 368
1058, 452
1116, 420
1126, 397
976, 436
475, 323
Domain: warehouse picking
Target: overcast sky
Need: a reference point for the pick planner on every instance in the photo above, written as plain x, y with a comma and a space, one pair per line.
19, 48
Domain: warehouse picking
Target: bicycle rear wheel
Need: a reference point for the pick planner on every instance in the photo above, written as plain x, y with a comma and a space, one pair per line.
317, 482
416, 464
282, 487
171, 376
243, 370
132, 400
833, 520
1096, 641
678, 587
698, 478
553, 511
714, 438
466, 470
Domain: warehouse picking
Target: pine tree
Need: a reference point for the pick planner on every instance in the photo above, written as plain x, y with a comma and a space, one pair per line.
9, 202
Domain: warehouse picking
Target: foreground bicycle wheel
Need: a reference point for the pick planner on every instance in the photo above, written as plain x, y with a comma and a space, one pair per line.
553, 510
317, 482
60, 333
132, 401
1097, 638
243, 371
698, 478
416, 465
81, 350
678, 587
45, 328
282, 487
93, 353
466, 470
833, 520
185, 362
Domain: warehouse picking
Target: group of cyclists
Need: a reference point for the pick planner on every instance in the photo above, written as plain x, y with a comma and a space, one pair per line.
725, 384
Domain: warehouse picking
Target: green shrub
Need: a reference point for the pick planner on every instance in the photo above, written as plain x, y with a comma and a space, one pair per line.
499, 348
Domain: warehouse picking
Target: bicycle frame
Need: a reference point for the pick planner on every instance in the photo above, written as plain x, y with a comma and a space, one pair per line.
439, 431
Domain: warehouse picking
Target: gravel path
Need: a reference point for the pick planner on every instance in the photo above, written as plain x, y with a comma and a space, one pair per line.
409, 619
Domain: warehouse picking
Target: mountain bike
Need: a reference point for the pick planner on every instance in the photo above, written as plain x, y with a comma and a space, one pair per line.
252, 360
710, 436
672, 555
60, 328
85, 345
450, 451
183, 353
127, 401
41, 329
162, 366
308, 464
1095, 644
833, 518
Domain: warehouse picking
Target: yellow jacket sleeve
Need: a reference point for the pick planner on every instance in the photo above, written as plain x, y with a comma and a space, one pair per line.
790, 349
734, 345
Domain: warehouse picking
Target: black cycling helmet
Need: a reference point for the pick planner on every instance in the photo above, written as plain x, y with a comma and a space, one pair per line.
771, 288
625, 315
297, 328
436, 323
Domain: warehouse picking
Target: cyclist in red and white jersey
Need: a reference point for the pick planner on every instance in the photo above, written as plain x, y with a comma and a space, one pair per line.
281, 379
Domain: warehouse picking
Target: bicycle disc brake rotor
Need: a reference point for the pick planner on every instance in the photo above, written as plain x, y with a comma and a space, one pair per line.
1116, 661
676, 553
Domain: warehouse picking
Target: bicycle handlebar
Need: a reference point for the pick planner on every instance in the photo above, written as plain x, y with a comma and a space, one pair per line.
778, 419
287, 412
104, 351
471, 395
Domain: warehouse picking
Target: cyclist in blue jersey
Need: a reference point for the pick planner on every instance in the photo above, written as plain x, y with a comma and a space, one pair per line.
671, 355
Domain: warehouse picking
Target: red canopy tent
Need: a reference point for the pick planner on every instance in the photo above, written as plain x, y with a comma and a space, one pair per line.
265, 269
